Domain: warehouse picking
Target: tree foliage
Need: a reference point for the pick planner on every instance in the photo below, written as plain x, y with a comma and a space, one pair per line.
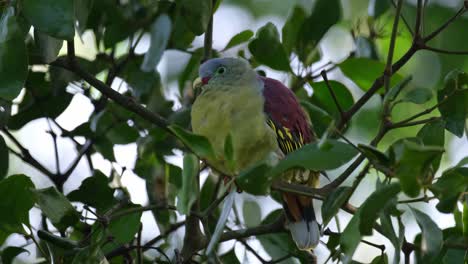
377, 119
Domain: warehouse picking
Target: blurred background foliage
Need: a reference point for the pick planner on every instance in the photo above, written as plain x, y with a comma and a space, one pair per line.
86, 180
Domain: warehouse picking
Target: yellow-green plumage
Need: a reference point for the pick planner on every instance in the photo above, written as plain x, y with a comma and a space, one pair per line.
220, 111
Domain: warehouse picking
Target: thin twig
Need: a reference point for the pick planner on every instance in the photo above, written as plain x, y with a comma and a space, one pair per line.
388, 67
332, 93
443, 51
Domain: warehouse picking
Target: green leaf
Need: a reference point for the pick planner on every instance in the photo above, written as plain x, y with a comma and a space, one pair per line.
239, 38
160, 33
5, 112
325, 14
256, 179
198, 144
448, 187
396, 89
378, 7
323, 98
375, 155
56, 207
188, 195
10, 253
61, 242
124, 228
55, 18
267, 49
364, 219
291, 28
413, 161
49, 47
418, 96
382, 259
454, 110
333, 202
196, 13
389, 232
229, 257
252, 213
94, 191
319, 118
207, 192
331, 155
17, 200
105, 147
352, 68
4, 159
433, 134
227, 207
13, 56
82, 11
375, 203
432, 238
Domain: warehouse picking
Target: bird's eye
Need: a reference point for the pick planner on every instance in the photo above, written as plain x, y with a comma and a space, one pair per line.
221, 70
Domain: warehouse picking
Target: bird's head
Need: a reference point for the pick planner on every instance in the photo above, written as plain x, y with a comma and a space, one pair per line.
225, 72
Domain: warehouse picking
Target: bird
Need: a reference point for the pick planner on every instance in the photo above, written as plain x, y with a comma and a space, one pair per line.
265, 122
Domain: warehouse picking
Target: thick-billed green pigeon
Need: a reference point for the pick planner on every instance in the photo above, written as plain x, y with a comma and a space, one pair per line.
265, 123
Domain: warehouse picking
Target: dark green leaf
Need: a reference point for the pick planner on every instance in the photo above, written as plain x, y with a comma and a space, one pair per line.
5, 112
227, 207
364, 219
190, 71
291, 28
48, 46
207, 192
13, 56
196, 13
382, 259
4, 159
454, 256
418, 96
333, 202
55, 18
330, 155
90, 254
94, 191
325, 14
56, 207
160, 33
433, 134
369, 211
454, 110
239, 38
198, 144
256, 179
413, 163
10, 253
432, 238
61, 242
353, 69
230, 258
448, 187
17, 200
267, 49
188, 195
252, 213
396, 89
124, 228
104, 146
375, 155
378, 7
320, 119
323, 98
82, 10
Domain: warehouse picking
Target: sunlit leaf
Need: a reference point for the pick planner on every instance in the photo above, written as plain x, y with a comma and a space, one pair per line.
252, 213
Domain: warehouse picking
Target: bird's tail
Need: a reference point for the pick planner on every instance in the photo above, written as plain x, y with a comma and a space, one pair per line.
302, 224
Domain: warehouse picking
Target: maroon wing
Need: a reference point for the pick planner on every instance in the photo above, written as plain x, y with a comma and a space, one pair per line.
285, 116
288, 120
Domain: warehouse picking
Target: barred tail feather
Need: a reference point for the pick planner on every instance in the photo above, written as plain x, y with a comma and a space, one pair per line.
302, 224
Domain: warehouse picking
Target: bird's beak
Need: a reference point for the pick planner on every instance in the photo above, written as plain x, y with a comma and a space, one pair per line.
197, 84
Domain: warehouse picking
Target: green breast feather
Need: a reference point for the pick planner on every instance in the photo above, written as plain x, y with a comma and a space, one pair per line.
238, 111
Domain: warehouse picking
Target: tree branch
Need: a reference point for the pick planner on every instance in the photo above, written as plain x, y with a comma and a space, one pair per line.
332, 93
